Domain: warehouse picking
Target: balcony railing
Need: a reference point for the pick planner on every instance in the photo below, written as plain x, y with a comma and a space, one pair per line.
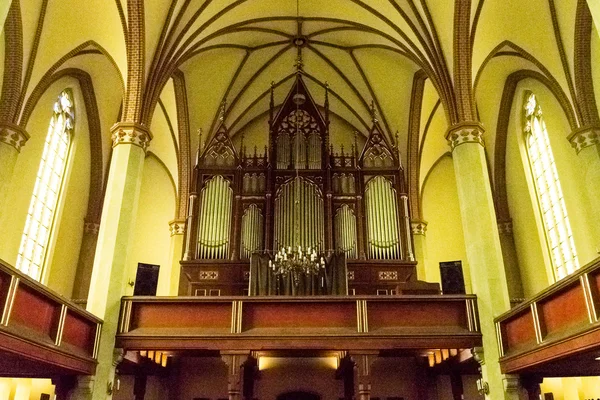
560, 321
278, 322
45, 331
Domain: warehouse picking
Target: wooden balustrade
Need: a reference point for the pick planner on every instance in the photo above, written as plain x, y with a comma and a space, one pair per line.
280, 323
44, 332
558, 322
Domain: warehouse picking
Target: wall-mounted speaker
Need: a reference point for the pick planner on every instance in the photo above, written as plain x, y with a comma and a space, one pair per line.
146, 280
453, 281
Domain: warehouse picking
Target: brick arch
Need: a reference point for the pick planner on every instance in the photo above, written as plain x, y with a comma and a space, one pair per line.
95, 134
508, 94
584, 82
13, 65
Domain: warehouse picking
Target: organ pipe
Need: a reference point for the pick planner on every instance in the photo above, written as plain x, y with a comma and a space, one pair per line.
382, 219
252, 228
299, 203
215, 219
345, 231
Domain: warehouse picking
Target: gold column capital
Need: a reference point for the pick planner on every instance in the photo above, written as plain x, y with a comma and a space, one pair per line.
131, 133
177, 227
465, 132
584, 137
418, 227
505, 227
13, 135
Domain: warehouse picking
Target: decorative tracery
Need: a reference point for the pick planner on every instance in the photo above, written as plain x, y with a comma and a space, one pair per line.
557, 227
46, 192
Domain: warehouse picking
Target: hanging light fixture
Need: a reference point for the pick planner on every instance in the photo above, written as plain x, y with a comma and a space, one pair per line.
297, 260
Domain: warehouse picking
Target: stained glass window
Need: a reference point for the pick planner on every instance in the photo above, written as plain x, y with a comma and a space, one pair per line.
559, 235
46, 192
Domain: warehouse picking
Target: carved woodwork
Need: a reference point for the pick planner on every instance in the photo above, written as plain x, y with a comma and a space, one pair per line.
298, 191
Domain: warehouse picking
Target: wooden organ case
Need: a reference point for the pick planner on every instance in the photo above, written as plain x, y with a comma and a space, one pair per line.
242, 202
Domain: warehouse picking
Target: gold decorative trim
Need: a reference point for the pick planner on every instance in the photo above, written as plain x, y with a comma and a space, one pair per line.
387, 275
505, 227
467, 132
418, 227
125, 133
91, 228
177, 227
14, 136
585, 137
208, 275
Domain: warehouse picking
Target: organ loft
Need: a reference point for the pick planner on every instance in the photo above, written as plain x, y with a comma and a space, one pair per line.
302, 190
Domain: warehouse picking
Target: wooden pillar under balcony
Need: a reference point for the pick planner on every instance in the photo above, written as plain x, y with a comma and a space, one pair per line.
456, 384
235, 361
532, 385
63, 386
139, 386
362, 368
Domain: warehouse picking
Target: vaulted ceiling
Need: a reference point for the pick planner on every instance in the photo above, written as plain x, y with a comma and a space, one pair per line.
365, 51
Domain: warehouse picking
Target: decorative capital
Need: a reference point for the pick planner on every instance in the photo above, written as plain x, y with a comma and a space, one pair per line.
511, 383
117, 356
584, 137
478, 355
91, 227
131, 133
13, 135
418, 227
177, 227
505, 227
465, 132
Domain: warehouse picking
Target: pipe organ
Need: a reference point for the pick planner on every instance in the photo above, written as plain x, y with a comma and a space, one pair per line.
298, 191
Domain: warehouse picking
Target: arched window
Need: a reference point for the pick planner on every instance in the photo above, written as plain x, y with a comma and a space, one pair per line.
46, 192
559, 235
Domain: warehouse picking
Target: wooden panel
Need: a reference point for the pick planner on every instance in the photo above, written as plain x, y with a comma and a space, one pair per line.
79, 332
299, 315
182, 315
416, 314
4, 287
518, 331
563, 311
35, 312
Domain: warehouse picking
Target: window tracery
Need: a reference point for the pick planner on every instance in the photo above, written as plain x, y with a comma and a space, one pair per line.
46, 192
557, 227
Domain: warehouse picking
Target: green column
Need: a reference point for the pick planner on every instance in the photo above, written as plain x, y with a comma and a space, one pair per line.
586, 143
109, 279
12, 139
420, 244
482, 241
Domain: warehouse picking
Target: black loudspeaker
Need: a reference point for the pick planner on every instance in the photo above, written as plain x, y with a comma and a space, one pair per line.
146, 280
452, 277
44, 396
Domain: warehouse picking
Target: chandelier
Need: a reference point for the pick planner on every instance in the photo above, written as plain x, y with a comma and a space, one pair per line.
297, 260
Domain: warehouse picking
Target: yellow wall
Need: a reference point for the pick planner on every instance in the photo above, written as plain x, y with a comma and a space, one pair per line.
445, 239
61, 259
572, 388
25, 388
151, 238
532, 251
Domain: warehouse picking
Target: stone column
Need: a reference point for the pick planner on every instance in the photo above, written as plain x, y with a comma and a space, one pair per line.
587, 145
83, 388
484, 253
235, 361
177, 229
362, 370
86, 261
109, 280
511, 263
12, 139
418, 231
